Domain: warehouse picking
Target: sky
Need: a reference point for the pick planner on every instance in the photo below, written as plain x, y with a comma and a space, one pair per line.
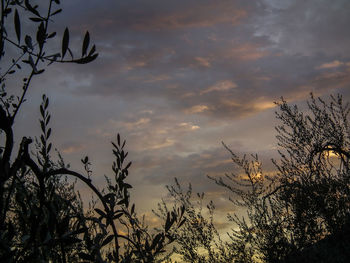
176, 78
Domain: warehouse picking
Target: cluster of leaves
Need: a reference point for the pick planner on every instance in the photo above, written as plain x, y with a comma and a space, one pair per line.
31, 46
42, 216
293, 215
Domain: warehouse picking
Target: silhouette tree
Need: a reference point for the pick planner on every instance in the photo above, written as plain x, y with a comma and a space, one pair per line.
42, 218
296, 213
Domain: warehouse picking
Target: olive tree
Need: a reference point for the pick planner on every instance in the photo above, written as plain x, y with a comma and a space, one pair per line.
42, 217
298, 211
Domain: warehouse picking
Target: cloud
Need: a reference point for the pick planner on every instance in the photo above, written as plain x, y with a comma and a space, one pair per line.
71, 147
132, 125
156, 15
169, 54
205, 62
333, 64
197, 109
220, 86
306, 27
241, 109
189, 126
177, 77
246, 52
164, 143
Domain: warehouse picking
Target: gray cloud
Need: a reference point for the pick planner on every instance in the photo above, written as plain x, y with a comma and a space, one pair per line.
174, 52
177, 77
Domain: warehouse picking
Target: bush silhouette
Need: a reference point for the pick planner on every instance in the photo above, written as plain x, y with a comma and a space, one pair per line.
42, 217
298, 214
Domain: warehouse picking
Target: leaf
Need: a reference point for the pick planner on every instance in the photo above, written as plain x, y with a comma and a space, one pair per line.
156, 240
17, 26
107, 240
48, 119
128, 166
39, 71
28, 42
42, 111
56, 12
167, 222
42, 125
42, 139
100, 212
127, 185
30, 8
85, 43
122, 201
36, 19
52, 35
86, 59
40, 35
65, 42
49, 147
70, 53
46, 103
48, 133
171, 238
92, 50
115, 146
182, 210
116, 216
182, 222
31, 62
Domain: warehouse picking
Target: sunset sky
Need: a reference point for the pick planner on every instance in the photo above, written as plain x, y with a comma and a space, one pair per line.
175, 78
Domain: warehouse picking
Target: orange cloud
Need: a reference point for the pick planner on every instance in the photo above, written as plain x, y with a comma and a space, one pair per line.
220, 86
246, 52
197, 109
165, 143
189, 126
333, 64
72, 149
132, 125
203, 61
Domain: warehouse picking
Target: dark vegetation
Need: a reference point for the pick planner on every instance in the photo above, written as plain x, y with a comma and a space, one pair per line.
299, 214
42, 217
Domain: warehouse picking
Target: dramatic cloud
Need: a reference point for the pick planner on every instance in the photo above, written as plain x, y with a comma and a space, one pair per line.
176, 78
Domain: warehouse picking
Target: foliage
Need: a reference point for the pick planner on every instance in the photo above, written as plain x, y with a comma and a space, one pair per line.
294, 213
198, 241
299, 211
42, 216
